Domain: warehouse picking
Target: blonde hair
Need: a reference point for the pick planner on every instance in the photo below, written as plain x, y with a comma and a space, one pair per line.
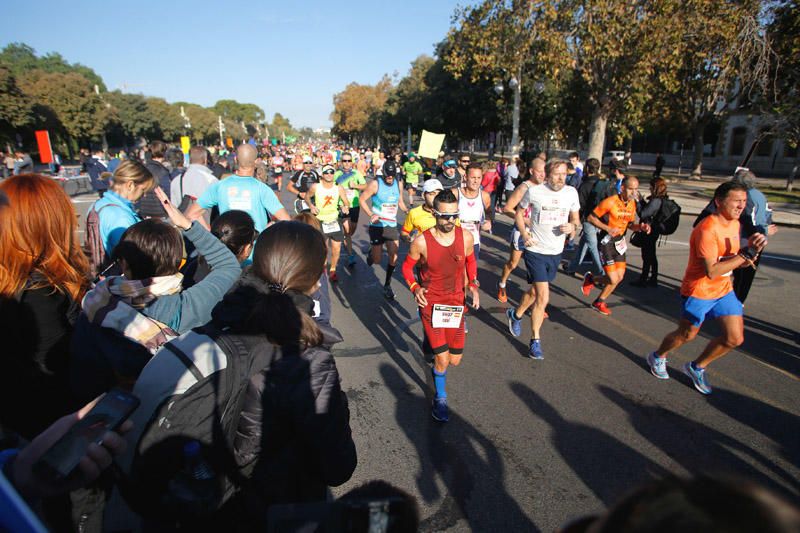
135, 172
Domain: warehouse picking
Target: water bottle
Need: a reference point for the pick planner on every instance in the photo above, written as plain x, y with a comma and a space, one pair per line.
194, 490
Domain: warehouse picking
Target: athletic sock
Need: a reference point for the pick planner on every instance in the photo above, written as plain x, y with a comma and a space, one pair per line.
695, 367
502, 285
599, 300
439, 382
517, 317
389, 272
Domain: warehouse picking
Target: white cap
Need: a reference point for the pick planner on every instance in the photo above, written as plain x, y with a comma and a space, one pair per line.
307, 159
432, 185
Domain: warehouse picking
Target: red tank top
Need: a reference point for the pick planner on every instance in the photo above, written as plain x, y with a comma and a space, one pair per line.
443, 272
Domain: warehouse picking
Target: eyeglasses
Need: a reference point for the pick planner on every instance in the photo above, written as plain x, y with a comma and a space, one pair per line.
446, 216
465, 161
328, 172
347, 160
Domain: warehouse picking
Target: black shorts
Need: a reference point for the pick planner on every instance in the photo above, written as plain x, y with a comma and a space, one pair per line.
379, 235
610, 255
411, 186
353, 216
332, 232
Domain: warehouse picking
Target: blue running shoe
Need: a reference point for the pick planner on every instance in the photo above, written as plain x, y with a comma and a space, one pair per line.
439, 411
514, 325
658, 365
535, 349
698, 378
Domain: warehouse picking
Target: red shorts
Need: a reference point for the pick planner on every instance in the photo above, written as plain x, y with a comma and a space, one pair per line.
443, 339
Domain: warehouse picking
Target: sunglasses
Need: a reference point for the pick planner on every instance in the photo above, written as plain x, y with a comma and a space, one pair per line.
446, 216
347, 160
328, 172
465, 160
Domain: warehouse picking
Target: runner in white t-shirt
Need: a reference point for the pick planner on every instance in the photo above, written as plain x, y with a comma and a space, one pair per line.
554, 214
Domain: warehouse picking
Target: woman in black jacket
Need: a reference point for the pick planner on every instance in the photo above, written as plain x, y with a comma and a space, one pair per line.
648, 211
293, 439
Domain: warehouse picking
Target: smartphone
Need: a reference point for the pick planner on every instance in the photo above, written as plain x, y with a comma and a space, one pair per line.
107, 415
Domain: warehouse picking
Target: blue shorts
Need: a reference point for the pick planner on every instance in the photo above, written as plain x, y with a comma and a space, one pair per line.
696, 310
541, 267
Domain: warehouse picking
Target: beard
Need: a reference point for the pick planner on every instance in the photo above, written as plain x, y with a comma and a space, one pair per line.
446, 228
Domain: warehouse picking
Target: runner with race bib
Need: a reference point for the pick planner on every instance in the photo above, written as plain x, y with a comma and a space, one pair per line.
474, 205
325, 198
353, 183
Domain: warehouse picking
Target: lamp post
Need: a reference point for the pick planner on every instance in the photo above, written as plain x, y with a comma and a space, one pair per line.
515, 85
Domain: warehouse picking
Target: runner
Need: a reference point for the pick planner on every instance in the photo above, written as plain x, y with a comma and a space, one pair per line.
421, 218
536, 177
412, 170
707, 290
277, 168
325, 197
300, 182
474, 206
554, 214
380, 201
353, 183
445, 254
448, 176
621, 211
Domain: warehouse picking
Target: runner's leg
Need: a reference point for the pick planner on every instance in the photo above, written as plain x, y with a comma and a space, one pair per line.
674, 340
732, 336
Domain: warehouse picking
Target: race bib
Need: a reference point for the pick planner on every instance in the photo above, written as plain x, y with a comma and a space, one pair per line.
351, 194
621, 246
473, 228
447, 316
552, 216
330, 227
278, 170
389, 212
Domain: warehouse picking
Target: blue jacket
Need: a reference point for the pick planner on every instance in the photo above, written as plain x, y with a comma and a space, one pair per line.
95, 168
756, 215
115, 219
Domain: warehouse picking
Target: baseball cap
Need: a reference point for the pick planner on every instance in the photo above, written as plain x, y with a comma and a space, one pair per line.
450, 163
432, 185
328, 168
307, 159
390, 168
411, 154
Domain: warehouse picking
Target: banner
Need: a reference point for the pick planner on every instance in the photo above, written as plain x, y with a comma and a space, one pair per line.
45, 149
229, 142
186, 144
430, 144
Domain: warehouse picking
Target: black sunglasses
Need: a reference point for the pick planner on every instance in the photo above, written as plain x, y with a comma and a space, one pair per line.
446, 216
328, 172
465, 160
347, 160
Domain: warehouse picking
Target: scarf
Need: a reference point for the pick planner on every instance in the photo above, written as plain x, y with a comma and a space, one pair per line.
115, 303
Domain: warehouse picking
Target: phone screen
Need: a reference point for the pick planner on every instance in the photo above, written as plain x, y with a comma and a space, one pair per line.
107, 415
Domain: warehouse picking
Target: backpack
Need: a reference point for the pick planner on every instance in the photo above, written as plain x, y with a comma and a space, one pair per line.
193, 389
668, 217
94, 247
600, 192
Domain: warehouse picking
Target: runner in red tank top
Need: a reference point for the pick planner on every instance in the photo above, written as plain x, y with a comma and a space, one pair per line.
445, 252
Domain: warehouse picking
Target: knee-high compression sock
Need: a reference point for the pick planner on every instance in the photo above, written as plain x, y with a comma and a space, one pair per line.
389, 272
439, 382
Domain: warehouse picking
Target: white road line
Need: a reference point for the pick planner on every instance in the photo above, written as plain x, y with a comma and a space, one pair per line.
84, 200
768, 256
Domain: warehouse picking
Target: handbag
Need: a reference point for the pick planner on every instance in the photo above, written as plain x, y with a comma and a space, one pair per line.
638, 238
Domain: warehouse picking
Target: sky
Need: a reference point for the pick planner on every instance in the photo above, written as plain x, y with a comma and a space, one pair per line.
288, 57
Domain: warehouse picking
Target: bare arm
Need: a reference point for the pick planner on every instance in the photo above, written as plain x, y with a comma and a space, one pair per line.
364, 198
515, 198
195, 212
596, 222
343, 198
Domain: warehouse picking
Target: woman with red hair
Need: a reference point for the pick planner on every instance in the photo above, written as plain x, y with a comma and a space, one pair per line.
43, 276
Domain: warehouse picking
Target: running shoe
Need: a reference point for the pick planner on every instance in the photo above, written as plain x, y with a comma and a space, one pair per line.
351, 260
588, 283
388, 293
658, 365
439, 411
332, 276
698, 378
601, 308
501, 294
535, 349
514, 325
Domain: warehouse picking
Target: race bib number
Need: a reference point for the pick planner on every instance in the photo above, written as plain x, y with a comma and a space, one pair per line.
447, 316
473, 228
552, 216
330, 227
389, 212
278, 170
621, 246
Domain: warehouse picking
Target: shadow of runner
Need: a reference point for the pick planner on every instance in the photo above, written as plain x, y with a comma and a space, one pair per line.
606, 465
464, 459
699, 448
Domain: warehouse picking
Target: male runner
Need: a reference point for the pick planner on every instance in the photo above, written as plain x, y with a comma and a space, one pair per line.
412, 169
707, 290
300, 183
380, 201
445, 254
277, 168
353, 183
474, 206
421, 218
536, 177
554, 214
464, 161
448, 176
325, 198
621, 211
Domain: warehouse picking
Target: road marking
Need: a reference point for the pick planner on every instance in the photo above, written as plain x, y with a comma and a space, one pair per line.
768, 256
84, 200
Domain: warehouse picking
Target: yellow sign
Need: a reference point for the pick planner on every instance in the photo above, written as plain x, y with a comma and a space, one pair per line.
430, 144
186, 144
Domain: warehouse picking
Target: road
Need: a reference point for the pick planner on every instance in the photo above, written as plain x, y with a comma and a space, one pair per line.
533, 444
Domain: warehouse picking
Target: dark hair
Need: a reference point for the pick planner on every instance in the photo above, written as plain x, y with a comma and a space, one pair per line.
592, 166
235, 229
475, 166
444, 197
721, 192
573, 154
403, 510
290, 257
158, 148
621, 165
150, 248
174, 157
659, 186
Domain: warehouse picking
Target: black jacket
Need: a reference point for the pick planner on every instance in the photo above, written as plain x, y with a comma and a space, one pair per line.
149, 205
584, 192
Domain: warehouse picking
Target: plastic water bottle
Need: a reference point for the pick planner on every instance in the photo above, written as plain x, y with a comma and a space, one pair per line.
194, 490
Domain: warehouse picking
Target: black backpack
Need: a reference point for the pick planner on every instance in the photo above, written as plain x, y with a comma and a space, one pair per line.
192, 389
668, 217
601, 190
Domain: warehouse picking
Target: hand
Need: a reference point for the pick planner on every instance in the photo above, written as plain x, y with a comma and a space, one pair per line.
645, 228
487, 225
374, 219
757, 241
313, 208
405, 237
772, 229
177, 218
345, 210
97, 458
476, 297
419, 296
529, 241
567, 228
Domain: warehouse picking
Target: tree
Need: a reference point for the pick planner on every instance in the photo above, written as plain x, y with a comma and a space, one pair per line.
15, 107
357, 109
21, 58
168, 121
133, 115
237, 112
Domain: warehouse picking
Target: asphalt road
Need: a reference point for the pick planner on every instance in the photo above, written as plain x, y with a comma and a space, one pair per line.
534, 444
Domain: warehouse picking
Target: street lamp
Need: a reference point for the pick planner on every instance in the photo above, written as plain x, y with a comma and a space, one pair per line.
514, 85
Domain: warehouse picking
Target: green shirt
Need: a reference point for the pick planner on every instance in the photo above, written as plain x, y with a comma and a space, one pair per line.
412, 170
354, 178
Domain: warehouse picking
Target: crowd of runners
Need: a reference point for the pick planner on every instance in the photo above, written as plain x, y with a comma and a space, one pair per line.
178, 243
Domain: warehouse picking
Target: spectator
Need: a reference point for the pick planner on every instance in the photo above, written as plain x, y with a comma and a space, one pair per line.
647, 212
114, 163
42, 280
149, 206
96, 167
8, 164
322, 298
660, 161
490, 183
220, 166
589, 198
506, 186
126, 318
574, 176
24, 164
575, 159
174, 159
196, 180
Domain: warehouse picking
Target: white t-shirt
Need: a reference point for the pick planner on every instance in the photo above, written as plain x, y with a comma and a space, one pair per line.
549, 209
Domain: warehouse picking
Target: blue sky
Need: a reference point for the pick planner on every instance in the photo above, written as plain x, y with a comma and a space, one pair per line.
288, 57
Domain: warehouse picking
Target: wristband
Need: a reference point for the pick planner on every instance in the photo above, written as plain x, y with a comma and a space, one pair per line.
413, 286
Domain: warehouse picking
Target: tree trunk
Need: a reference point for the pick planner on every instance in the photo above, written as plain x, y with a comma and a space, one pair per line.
697, 140
515, 117
597, 134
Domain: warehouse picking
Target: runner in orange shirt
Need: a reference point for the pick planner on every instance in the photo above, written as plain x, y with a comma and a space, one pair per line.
620, 210
707, 290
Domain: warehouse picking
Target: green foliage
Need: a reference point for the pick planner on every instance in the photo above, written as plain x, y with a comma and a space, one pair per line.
20, 58
784, 32
238, 112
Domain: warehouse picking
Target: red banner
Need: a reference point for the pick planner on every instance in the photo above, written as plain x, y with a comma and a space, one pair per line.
45, 150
